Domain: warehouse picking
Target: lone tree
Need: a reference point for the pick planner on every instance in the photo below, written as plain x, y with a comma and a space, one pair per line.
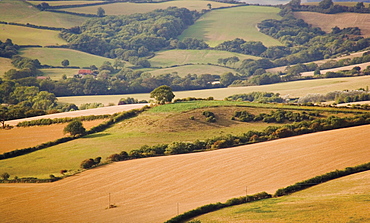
65, 63
162, 94
75, 128
100, 12
5, 176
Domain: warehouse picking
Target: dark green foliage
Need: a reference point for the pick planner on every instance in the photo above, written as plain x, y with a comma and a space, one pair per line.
162, 94
217, 206
8, 49
261, 97
241, 46
89, 163
5, 176
210, 116
75, 128
151, 31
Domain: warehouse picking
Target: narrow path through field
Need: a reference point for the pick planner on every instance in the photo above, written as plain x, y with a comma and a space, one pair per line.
94, 111
153, 189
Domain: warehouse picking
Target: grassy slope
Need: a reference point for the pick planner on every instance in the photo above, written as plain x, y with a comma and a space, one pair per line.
189, 180
28, 36
18, 11
345, 200
291, 89
215, 27
131, 8
57, 73
177, 57
192, 69
5, 65
327, 21
54, 57
164, 124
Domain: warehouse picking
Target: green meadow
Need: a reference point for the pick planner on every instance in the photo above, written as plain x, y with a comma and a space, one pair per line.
198, 69
28, 36
215, 27
57, 73
5, 65
127, 8
20, 12
341, 200
178, 57
54, 56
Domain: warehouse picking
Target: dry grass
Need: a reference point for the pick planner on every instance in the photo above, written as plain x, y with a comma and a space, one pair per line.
148, 190
127, 8
5, 65
24, 137
341, 200
327, 21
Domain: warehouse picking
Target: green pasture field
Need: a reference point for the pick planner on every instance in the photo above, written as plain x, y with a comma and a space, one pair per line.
341, 200
5, 65
57, 73
127, 8
287, 89
192, 69
58, 3
218, 26
28, 36
54, 56
163, 124
350, 4
20, 12
176, 57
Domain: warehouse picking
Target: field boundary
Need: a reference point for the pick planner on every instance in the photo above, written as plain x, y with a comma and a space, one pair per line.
263, 195
117, 118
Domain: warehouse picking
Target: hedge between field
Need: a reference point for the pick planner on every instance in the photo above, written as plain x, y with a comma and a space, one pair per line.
117, 118
263, 195
48, 121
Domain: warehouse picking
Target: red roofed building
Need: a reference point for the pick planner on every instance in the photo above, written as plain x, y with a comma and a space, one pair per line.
85, 72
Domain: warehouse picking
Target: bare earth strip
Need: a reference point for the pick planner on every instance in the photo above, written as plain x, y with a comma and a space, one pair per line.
95, 111
343, 20
153, 189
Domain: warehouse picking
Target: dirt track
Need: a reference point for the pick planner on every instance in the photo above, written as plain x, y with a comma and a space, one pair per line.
151, 189
94, 111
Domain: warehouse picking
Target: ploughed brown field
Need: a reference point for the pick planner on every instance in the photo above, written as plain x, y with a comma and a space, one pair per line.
343, 20
155, 189
24, 137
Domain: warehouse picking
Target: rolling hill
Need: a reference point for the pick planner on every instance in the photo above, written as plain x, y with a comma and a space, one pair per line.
155, 189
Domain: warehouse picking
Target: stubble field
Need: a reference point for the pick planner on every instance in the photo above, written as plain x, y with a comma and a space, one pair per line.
153, 189
328, 21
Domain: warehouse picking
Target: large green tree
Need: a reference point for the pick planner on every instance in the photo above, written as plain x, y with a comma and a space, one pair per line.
162, 94
75, 128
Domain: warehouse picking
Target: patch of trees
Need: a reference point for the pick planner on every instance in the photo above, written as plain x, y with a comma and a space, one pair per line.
344, 62
260, 97
32, 26
128, 100
8, 49
139, 34
210, 116
255, 48
90, 163
337, 96
328, 7
162, 94
189, 44
278, 116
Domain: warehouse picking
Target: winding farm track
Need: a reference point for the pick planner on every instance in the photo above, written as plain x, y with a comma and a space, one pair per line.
95, 111
154, 189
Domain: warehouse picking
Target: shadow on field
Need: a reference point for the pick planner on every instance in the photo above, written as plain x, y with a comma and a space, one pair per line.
97, 135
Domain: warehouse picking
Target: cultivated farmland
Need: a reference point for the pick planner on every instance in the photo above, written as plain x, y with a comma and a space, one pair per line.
54, 57
153, 189
215, 27
291, 89
344, 199
328, 21
126, 8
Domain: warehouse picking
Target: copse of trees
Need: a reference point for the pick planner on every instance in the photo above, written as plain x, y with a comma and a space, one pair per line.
162, 94
139, 33
260, 97
8, 49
